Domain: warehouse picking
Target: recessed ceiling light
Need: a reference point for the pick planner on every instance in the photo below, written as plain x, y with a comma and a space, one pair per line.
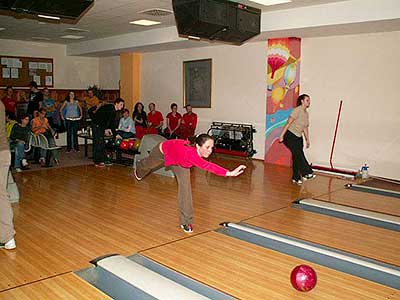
2, 28
76, 29
40, 38
49, 17
72, 37
144, 22
270, 2
42, 23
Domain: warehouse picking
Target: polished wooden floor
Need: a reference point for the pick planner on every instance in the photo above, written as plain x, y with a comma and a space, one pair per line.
68, 216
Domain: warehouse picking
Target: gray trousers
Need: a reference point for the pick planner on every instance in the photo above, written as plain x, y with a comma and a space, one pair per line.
6, 214
155, 161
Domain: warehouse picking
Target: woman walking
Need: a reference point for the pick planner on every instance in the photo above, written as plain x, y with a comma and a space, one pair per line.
292, 137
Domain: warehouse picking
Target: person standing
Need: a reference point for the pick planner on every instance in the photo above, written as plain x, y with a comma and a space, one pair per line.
7, 231
9, 101
155, 120
292, 136
139, 117
174, 120
35, 99
189, 123
181, 155
50, 105
71, 112
103, 123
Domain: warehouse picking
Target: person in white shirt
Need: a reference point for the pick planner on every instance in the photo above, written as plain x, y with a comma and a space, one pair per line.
126, 127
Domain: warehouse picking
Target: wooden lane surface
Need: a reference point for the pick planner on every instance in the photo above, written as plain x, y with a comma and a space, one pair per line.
67, 286
361, 239
378, 203
247, 271
68, 216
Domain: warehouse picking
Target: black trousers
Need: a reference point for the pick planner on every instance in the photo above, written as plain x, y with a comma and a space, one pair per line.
301, 167
98, 144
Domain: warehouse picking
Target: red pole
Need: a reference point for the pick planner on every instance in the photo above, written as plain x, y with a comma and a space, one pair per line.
334, 137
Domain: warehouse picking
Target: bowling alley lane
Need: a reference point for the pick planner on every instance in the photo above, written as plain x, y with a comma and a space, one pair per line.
373, 202
360, 239
247, 271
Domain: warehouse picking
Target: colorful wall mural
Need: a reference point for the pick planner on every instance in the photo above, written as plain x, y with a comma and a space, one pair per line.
283, 74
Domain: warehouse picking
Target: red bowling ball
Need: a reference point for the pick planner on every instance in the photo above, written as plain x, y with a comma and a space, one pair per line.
132, 144
124, 145
303, 278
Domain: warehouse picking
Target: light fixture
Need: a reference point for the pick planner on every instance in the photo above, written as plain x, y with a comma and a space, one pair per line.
2, 28
40, 38
72, 37
270, 2
49, 17
76, 29
144, 22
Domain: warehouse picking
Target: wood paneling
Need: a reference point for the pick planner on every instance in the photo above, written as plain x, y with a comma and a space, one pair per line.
247, 271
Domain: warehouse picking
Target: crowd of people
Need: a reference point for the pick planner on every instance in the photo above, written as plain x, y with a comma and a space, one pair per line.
47, 117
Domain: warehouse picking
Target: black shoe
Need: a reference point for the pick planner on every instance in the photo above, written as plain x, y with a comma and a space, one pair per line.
309, 176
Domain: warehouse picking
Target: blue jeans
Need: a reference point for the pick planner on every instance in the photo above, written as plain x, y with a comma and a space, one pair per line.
125, 135
19, 148
72, 135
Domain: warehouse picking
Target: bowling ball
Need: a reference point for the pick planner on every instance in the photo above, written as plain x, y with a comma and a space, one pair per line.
117, 142
109, 156
303, 278
137, 144
131, 143
124, 145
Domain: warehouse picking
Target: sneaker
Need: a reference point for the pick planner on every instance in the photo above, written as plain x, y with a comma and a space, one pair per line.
309, 176
42, 162
24, 162
9, 245
99, 165
108, 163
299, 182
187, 228
137, 177
57, 161
18, 170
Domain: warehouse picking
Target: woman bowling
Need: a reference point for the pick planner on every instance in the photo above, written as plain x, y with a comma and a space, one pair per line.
181, 155
292, 137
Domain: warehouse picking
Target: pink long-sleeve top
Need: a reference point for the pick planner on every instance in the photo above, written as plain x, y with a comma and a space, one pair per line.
180, 153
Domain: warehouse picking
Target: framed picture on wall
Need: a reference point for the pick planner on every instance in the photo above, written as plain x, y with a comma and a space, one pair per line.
197, 83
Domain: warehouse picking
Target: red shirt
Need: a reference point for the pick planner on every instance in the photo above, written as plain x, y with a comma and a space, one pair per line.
173, 120
155, 119
179, 153
190, 121
10, 104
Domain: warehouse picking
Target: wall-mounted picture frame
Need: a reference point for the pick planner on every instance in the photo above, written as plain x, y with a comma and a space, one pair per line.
197, 83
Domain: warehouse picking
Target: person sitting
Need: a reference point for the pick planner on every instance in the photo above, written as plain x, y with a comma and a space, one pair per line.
155, 120
19, 139
40, 125
10, 122
71, 112
139, 117
174, 120
9, 101
126, 127
189, 123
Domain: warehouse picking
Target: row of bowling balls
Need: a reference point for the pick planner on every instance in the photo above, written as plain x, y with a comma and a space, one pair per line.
127, 144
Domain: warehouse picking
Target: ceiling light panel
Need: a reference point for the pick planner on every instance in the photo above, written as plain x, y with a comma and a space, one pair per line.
144, 22
270, 2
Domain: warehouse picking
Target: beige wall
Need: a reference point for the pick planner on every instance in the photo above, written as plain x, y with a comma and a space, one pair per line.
69, 71
238, 84
363, 71
109, 72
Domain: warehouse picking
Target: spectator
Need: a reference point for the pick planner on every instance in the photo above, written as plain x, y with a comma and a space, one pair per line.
189, 123
40, 125
103, 123
155, 120
10, 123
139, 117
19, 139
7, 231
35, 99
91, 100
126, 127
10, 101
50, 105
71, 112
174, 120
